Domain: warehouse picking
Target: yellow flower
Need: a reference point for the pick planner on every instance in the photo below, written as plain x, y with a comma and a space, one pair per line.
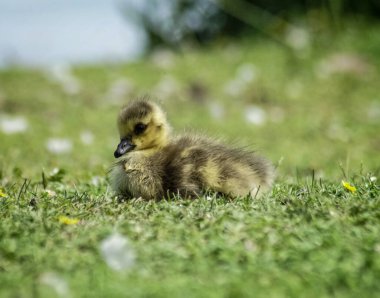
67, 220
2, 194
348, 186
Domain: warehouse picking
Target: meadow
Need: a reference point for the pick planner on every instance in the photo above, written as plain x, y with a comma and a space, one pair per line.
312, 107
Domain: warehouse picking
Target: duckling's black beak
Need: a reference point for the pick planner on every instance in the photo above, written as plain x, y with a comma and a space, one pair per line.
124, 147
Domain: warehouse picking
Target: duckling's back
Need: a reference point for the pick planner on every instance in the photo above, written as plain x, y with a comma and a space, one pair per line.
191, 165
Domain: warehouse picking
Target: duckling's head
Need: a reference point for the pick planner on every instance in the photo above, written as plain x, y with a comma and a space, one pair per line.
142, 125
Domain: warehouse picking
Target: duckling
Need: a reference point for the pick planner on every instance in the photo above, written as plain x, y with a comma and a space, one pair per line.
152, 164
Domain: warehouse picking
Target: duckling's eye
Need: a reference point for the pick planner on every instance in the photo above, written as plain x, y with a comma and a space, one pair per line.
139, 128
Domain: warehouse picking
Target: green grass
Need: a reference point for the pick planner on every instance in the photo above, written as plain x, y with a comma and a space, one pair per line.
309, 237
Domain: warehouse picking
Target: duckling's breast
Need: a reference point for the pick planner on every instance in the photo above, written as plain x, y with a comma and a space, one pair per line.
137, 175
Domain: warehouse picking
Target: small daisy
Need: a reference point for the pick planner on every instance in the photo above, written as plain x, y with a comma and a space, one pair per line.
59, 146
255, 115
298, 38
50, 193
13, 125
119, 90
87, 137
63, 75
216, 110
235, 87
117, 252
246, 72
163, 59
56, 282
167, 86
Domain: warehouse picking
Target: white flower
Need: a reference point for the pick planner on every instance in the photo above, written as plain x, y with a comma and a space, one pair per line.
235, 87
96, 180
163, 58
12, 125
255, 115
50, 193
298, 38
117, 252
62, 74
56, 282
250, 245
209, 198
59, 146
87, 137
119, 90
373, 178
167, 86
54, 171
216, 110
246, 72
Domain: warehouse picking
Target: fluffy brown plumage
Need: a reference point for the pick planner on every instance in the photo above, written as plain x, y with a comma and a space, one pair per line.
152, 164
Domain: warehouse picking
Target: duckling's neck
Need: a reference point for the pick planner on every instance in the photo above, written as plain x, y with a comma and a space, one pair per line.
157, 146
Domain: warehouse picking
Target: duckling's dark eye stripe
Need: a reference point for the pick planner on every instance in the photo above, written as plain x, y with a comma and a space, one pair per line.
139, 128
